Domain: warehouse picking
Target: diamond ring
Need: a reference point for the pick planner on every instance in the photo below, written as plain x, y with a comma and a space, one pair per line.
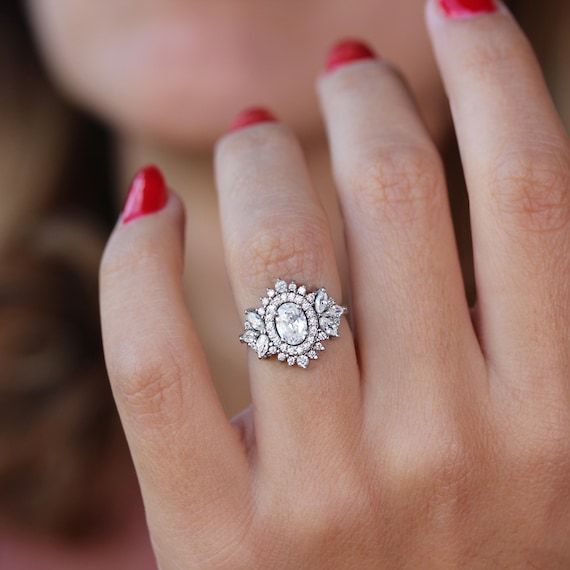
292, 323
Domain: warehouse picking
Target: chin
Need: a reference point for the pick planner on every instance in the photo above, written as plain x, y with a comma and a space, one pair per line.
179, 75
192, 107
193, 115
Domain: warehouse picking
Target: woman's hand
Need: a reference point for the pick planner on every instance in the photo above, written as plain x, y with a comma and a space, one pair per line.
431, 442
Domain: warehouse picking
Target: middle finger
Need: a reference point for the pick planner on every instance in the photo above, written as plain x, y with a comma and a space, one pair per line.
408, 295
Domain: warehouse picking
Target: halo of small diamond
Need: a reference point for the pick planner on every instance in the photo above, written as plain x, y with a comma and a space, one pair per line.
322, 315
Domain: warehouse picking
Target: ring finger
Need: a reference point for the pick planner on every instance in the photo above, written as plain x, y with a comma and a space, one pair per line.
274, 226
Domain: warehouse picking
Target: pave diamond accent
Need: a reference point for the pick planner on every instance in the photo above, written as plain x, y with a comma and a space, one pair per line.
292, 323
280, 286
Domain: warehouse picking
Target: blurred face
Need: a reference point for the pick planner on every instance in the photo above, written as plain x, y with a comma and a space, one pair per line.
178, 70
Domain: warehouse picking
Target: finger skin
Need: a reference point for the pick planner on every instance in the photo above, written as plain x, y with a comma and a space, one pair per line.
275, 227
187, 456
408, 293
516, 158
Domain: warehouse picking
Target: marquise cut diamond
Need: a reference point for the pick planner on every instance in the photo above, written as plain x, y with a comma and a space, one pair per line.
321, 301
262, 345
255, 321
329, 325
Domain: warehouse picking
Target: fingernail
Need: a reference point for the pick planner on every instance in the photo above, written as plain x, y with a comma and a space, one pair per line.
147, 194
251, 116
348, 51
467, 8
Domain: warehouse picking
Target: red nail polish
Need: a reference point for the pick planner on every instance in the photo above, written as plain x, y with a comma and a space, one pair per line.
347, 51
466, 8
251, 116
147, 194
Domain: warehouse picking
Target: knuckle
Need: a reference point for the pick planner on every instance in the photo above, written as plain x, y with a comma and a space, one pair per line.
398, 184
149, 390
323, 515
431, 462
128, 258
531, 188
553, 452
330, 515
493, 57
544, 449
284, 248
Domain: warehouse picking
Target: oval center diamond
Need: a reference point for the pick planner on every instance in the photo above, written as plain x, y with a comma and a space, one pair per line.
291, 323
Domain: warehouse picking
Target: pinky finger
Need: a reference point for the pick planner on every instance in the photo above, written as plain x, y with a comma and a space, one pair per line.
188, 457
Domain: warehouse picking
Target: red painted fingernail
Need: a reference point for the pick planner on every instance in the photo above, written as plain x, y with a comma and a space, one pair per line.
251, 116
147, 194
347, 51
466, 8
